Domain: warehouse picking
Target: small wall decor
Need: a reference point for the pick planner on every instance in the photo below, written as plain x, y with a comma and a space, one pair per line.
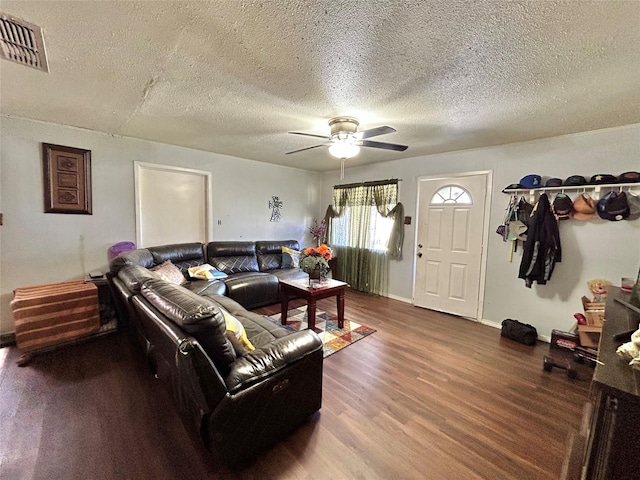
67, 179
275, 204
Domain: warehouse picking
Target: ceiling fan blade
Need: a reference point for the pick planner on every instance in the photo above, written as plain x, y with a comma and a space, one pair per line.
308, 148
311, 135
386, 146
373, 132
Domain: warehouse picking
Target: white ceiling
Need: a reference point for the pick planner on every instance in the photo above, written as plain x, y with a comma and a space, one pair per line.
233, 77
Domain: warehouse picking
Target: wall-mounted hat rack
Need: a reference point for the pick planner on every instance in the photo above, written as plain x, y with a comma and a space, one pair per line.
594, 190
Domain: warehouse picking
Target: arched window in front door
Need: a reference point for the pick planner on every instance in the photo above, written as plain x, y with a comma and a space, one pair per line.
451, 194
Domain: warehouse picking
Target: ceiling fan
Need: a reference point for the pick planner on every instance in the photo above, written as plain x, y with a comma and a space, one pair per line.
345, 141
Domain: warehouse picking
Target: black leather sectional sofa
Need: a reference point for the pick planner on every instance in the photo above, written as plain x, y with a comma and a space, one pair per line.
238, 401
253, 268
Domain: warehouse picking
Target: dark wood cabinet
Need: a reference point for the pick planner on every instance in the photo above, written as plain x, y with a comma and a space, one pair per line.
106, 300
612, 449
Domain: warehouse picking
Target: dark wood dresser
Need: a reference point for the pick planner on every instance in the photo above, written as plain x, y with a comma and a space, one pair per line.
612, 450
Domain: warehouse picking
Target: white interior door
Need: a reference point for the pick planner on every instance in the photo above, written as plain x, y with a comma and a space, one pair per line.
450, 235
173, 205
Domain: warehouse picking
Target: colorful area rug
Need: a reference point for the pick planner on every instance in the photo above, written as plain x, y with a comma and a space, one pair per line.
333, 338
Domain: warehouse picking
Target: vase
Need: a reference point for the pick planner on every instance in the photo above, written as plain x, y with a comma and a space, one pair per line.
315, 276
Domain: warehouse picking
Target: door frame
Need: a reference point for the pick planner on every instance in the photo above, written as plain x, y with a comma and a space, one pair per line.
139, 168
485, 231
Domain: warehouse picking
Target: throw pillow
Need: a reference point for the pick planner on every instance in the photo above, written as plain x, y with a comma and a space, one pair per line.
241, 351
234, 326
290, 258
170, 273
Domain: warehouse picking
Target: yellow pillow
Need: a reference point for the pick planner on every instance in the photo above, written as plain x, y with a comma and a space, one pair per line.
234, 325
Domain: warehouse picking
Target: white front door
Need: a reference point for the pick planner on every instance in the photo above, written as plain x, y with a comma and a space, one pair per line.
450, 235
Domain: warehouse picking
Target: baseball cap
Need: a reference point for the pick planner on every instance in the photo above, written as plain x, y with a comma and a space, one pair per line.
613, 206
602, 178
513, 186
562, 206
629, 177
575, 180
553, 182
634, 206
531, 181
584, 207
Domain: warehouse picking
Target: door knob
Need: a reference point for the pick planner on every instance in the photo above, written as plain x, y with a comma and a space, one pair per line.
419, 245
419, 254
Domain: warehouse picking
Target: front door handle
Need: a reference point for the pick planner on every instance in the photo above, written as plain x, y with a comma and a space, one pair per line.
419, 254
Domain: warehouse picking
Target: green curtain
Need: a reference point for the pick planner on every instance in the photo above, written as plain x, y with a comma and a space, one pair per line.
365, 268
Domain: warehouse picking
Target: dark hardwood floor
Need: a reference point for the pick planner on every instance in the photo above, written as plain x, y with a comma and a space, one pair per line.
428, 396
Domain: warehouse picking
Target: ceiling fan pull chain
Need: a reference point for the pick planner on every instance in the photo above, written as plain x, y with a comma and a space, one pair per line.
342, 168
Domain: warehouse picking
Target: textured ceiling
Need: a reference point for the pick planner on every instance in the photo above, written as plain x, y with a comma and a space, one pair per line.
233, 77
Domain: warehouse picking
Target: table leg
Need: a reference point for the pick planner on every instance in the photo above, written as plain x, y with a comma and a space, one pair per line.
284, 307
340, 302
311, 313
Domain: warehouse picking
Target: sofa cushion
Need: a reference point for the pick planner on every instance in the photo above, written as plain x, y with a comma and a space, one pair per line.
197, 315
288, 274
205, 287
182, 255
169, 272
133, 276
177, 252
260, 331
233, 257
235, 264
141, 257
253, 289
269, 252
265, 361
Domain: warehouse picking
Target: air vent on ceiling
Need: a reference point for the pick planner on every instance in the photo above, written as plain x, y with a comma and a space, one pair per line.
22, 42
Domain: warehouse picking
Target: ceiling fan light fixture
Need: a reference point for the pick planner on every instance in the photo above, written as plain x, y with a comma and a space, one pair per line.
343, 149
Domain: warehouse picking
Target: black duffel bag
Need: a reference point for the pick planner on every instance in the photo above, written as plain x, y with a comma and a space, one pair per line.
520, 332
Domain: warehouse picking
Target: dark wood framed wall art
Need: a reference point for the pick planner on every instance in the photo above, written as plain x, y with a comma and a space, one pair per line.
67, 179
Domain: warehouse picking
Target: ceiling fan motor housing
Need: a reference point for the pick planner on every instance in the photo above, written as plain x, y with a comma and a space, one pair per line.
343, 125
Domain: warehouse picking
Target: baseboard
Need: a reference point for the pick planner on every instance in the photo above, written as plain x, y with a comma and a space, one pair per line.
7, 339
400, 299
542, 338
490, 323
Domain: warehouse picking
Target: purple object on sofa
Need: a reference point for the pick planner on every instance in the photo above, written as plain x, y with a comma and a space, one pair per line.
120, 247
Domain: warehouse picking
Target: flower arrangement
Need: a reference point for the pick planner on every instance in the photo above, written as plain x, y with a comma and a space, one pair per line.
317, 230
313, 257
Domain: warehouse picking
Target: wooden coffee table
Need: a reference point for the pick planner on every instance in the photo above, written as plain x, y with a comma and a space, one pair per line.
301, 289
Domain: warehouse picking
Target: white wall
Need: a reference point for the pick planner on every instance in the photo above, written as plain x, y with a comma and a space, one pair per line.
41, 248
591, 249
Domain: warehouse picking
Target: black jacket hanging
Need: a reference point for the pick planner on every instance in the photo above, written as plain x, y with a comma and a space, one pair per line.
542, 249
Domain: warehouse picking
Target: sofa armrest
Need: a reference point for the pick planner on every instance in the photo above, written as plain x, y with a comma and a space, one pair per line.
268, 360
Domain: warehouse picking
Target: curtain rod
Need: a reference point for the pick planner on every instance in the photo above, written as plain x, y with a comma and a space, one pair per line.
369, 184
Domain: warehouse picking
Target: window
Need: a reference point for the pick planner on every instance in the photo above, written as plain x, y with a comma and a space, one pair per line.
451, 194
365, 231
377, 236
361, 225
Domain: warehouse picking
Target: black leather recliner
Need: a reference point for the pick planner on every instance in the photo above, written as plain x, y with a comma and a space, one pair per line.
239, 405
